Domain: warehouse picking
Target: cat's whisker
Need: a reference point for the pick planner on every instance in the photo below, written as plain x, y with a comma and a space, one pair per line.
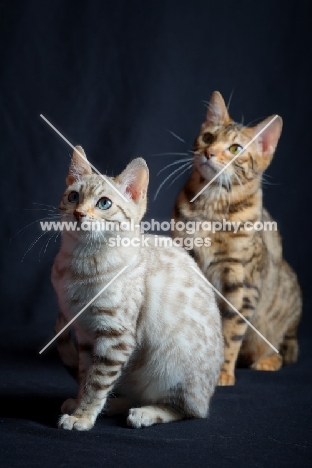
57, 236
30, 224
33, 244
220, 183
266, 182
229, 187
174, 163
254, 120
264, 178
169, 177
44, 204
170, 154
230, 99
208, 105
179, 175
225, 185
45, 245
37, 209
239, 181
176, 136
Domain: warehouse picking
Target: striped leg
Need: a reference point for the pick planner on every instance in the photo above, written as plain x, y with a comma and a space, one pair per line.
85, 361
66, 347
110, 355
234, 326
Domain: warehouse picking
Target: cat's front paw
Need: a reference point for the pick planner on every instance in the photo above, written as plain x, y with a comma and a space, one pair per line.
226, 379
69, 406
74, 423
269, 363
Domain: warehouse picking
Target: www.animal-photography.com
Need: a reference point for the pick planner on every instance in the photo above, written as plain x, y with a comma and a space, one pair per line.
155, 235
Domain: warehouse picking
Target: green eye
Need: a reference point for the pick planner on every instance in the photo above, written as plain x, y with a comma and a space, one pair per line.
235, 149
73, 197
104, 203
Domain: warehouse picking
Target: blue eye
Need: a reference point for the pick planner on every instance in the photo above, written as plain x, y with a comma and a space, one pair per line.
104, 203
73, 197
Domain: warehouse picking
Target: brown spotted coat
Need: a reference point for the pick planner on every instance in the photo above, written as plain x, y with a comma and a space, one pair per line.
247, 267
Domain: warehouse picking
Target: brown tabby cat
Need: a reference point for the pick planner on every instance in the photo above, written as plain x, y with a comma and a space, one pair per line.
154, 335
247, 267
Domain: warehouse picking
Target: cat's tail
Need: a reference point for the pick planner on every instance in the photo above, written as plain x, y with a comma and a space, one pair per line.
66, 347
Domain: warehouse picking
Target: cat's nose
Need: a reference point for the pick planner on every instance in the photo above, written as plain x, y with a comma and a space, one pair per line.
79, 214
210, 154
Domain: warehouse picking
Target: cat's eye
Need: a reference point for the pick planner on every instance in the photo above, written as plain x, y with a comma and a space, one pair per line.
235, 149
207, 138
104, 203
73, 197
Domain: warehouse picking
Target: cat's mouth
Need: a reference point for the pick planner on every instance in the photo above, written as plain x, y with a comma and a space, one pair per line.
209, 167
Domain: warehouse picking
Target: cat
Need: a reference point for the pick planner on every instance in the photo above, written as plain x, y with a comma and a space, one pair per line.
154, 337
247, 267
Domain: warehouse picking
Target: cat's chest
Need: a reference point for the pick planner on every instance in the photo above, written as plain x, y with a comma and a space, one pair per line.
78, 282
224, 247
101, 295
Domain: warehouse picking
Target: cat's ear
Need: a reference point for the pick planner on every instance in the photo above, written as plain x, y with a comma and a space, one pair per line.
269, 136
217, 112
134, 179
79, 166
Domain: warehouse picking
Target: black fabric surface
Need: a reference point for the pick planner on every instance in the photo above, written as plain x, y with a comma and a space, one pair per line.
117, 77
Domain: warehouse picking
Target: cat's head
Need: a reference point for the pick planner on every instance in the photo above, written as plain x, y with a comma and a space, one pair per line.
94, 198
221, 139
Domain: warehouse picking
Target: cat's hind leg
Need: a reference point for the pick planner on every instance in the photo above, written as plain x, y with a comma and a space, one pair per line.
180, 404
289, 348
152, 414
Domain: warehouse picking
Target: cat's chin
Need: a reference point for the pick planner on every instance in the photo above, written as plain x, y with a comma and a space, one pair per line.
85, 237
207, 171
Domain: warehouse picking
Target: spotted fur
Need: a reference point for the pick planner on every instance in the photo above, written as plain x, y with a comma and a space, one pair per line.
247, 267
150, 344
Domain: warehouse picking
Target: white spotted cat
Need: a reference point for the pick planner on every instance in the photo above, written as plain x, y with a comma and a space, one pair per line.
153, 337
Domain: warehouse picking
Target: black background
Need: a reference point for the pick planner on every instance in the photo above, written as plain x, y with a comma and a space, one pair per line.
117, 77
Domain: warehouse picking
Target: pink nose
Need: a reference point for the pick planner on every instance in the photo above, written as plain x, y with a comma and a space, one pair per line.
209, 154
79, 214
